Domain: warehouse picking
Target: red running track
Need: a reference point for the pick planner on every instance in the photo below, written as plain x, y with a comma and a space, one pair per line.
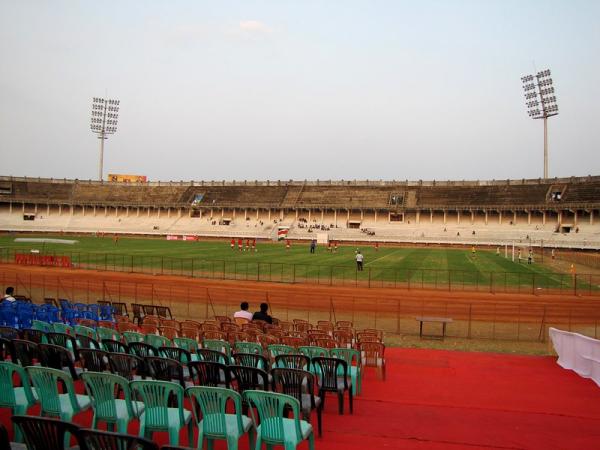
435, 399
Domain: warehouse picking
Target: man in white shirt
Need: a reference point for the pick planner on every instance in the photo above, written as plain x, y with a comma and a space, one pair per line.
243, 313
9, 295
359, 260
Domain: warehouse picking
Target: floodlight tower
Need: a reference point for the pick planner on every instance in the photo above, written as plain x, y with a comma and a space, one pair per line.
105, 113
541, 103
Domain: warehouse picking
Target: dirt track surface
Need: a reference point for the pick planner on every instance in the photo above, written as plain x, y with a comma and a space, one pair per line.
201, 298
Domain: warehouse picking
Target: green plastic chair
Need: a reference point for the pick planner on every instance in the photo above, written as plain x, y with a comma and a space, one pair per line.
132, 336
280, 349
18, 399
157, 416
248, 347
107, 333
42, 326
158, 341
354, 361
85, 331
60, 327
275, 428
312, 351
103, 390
64, 406
189, 344
216, 423
218, 345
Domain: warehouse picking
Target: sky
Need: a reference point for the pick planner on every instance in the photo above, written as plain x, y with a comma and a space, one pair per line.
312, 89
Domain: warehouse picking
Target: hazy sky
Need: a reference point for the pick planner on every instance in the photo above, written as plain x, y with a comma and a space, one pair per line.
298, 89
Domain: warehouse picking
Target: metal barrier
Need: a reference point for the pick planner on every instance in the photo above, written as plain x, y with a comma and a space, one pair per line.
501, 320
449, 280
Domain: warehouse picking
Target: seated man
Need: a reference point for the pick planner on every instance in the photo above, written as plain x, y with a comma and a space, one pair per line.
9, 295
243, 313
262, 314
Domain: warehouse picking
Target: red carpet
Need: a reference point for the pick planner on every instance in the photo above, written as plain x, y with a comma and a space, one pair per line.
453, 400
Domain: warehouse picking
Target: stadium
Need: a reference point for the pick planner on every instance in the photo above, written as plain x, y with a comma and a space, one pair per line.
330, 200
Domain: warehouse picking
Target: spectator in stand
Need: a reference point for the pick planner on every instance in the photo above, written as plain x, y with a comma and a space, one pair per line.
262, 314
9, 295
243, 312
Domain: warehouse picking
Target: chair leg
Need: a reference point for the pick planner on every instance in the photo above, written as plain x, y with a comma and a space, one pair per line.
311, 441
350, 399
340, 402
319, 410
252, 437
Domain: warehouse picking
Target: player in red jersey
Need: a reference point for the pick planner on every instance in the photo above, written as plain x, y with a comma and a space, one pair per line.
232, 243
240, 244
254, 244
287, 244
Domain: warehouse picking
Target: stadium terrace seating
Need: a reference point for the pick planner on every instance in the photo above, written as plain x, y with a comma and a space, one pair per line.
390, 210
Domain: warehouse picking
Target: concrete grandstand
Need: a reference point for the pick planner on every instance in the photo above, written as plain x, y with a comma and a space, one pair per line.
561, 212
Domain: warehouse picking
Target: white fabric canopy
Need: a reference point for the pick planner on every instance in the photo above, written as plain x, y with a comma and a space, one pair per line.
577, 352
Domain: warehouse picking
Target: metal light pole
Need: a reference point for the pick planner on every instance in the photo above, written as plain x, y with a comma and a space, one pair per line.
541, 103
105, 113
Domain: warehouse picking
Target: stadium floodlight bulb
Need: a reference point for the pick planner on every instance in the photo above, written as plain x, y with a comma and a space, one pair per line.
541, 103
103, 122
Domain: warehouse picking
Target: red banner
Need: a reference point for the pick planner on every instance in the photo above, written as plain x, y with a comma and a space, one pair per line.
32, 259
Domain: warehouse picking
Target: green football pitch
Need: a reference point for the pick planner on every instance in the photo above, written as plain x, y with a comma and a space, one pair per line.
273, 262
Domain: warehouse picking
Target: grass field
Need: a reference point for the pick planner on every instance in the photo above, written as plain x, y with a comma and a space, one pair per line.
272, 262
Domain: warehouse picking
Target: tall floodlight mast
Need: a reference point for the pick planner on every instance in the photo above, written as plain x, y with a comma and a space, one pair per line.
105, 113
541, 103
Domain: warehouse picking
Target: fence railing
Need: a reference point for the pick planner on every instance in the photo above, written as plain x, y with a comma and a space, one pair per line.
330, 275
500, 320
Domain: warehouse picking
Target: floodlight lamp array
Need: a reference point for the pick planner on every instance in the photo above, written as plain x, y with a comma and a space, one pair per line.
104, 115
539, 95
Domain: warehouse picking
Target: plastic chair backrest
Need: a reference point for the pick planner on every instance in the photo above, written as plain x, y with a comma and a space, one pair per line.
248, 347
251, 360
142, 349
86, 331
42, 433
42, 326
313, 351
93, 360
105, 440
218, 345
209, 373
102, 389
280, 349
206, 354
176, 353
46, 380
350, 355
155, 394
158, 341
24, 352
132, 336
107, 333
114, 346
329, 369
271, 407
86, 342
293, 361
7, 392
294, 382
245, 378
56, 357
125, 365
213, 405
189, 344
9, 333
166, 369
